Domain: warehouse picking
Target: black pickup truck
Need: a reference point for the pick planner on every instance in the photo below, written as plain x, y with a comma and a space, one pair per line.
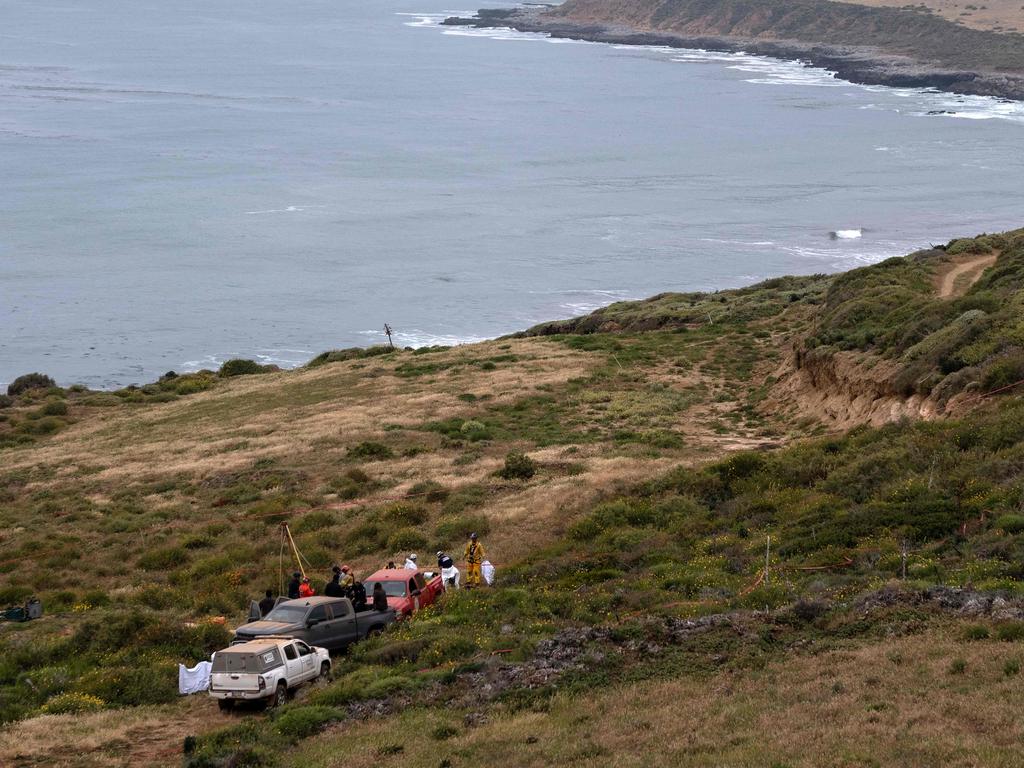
327, 622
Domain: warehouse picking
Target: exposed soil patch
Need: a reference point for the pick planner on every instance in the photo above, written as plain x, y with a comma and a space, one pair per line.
954, 279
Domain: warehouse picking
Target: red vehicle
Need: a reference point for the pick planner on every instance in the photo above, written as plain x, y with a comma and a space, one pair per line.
407, 590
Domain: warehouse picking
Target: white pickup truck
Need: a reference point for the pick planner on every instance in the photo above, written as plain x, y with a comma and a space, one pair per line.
265, 669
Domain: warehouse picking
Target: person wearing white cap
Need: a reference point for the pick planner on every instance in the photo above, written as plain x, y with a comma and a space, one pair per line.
410, 562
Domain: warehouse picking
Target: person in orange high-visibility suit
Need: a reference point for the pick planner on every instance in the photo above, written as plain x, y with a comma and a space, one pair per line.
306, 589
474, 557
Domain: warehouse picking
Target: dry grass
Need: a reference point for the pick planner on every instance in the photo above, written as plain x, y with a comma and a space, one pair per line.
990, 15
126, 738
891, 703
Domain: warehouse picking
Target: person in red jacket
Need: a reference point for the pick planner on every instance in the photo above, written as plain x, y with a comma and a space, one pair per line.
305, 589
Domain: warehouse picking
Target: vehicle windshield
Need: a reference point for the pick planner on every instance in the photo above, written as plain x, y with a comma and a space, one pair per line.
288, 614
391, 588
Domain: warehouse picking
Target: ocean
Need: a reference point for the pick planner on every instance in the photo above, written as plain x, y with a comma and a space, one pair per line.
189, 182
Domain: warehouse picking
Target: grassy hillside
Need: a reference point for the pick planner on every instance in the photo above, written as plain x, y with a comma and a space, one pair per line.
667, 442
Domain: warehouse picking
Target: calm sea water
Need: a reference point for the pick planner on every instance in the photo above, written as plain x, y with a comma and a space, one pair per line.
185, 182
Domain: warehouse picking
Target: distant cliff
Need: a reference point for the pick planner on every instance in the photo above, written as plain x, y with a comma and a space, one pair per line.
907, 47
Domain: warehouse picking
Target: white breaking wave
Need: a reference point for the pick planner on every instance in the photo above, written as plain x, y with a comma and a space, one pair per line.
289, 209
748, 243
924, 102
847, 234
416, 338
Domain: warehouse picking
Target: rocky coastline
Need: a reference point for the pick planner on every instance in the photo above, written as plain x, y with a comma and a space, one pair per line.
865, 65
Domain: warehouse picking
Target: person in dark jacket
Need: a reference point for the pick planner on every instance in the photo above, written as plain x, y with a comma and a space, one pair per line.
334, 588
267, 603
293, 586
359, 596
380, 599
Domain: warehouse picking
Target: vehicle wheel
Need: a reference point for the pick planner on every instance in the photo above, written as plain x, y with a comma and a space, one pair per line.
375, 631
225, 705
280, 696
325, 670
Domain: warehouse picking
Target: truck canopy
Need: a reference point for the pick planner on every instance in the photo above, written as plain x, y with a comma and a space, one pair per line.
249, 658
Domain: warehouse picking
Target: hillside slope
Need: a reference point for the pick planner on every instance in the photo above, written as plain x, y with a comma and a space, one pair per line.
906, 46
674, 443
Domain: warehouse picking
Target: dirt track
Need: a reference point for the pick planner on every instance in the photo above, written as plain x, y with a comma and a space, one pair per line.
962, 276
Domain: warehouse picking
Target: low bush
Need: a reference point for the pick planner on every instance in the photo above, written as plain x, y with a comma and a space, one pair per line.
406, 539
429, 490
459, 527
976, 632
297, 723
518, 466
164, 558
29, 382
406, 514
72, 704
1011, 523
352, 353
144, 682
370, 451
240, 367
1010, 632
55, 408
314, 521
474, 431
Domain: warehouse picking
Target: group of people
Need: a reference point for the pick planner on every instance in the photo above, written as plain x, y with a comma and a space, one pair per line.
344, 584
450, 575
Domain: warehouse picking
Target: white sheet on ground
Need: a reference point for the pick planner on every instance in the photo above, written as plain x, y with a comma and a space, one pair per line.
195, 680
487, 571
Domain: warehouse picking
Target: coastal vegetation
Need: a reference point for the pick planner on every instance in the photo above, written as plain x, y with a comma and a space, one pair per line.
677, 535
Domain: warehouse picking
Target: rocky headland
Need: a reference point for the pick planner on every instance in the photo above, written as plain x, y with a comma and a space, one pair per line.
900, 47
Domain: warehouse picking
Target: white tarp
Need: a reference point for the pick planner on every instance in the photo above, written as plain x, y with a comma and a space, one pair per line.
450, 576
195, 680
487, 571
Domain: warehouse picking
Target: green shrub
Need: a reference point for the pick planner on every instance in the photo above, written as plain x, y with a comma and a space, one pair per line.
314, 521
297, 723
518, 466
368, 682
370, 451
28, 382
191, 386
957, 666
239, 367
976, 632
459, 527
44, 426
6, 401
352, 353
145, 682
1010, 523
72, 704
406, 539
1006, 370
55, 408
406, 514
463, 498
443, 732
163, 559
431, 491
1011, 631
474, 431
155, 596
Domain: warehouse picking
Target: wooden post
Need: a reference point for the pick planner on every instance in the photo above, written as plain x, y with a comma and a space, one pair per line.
387, 330
295, 550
